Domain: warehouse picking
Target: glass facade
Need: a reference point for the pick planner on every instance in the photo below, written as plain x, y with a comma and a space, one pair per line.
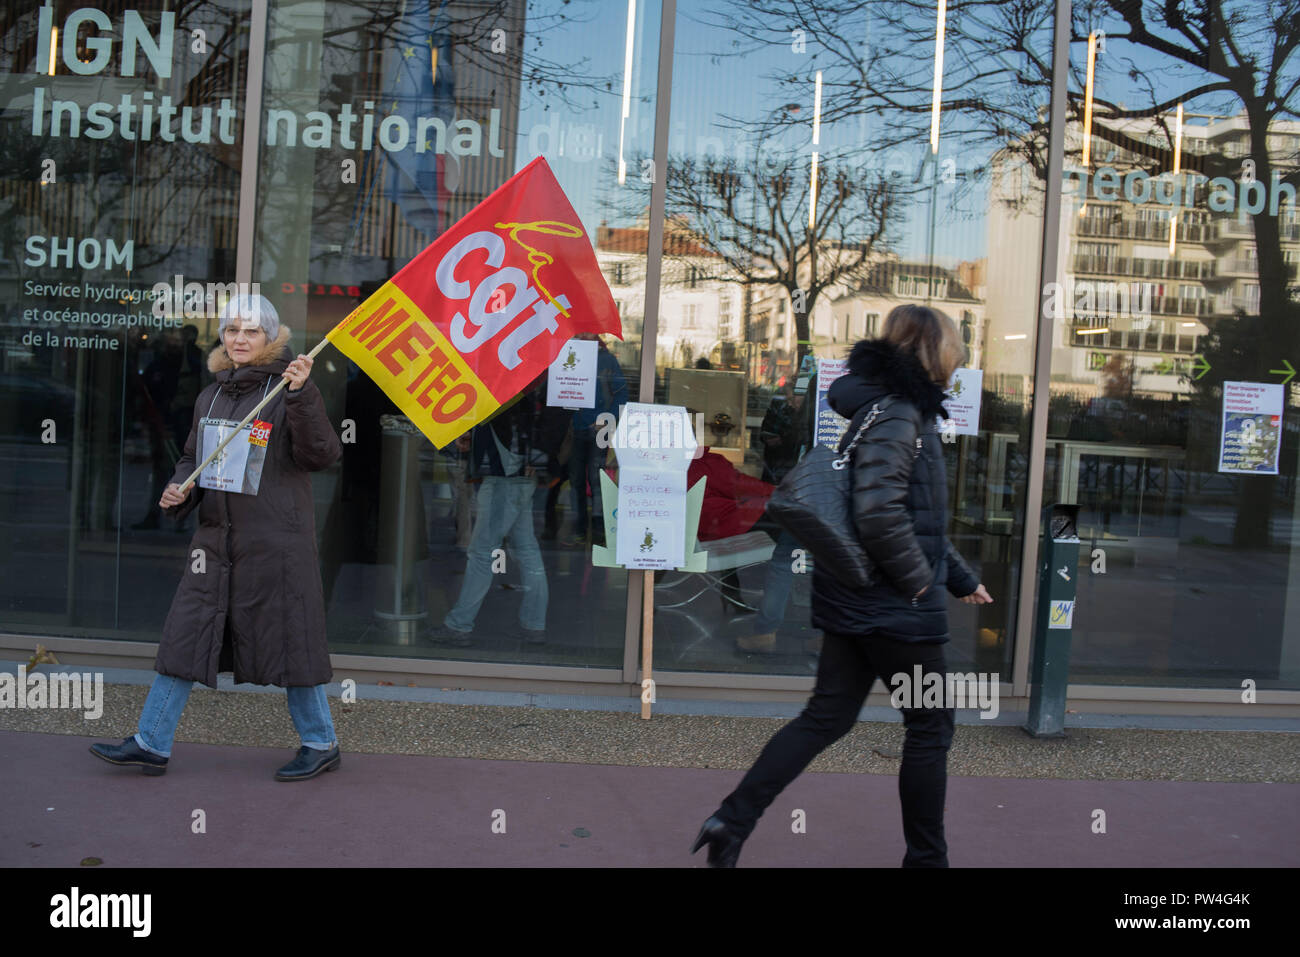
818, 164
121, 169
511, 82
805, 199
1178, 264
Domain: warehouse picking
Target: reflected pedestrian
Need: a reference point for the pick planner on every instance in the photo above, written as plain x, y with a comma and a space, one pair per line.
588, 454
505, 454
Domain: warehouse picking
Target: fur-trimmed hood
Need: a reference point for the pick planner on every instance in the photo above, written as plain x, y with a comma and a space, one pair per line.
878, 368
271, 360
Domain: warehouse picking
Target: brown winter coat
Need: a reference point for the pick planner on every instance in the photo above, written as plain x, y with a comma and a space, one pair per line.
258, 592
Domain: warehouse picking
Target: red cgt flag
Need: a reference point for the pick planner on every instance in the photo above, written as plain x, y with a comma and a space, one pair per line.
472, 320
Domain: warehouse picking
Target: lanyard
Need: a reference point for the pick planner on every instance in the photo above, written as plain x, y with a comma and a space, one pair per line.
239, 467
266, 388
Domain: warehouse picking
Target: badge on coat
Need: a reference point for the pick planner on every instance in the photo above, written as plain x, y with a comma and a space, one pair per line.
238, 467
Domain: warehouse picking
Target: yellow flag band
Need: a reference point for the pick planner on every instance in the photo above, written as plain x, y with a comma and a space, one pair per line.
407, 356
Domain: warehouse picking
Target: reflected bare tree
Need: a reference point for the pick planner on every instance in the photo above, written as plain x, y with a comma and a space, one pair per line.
1228, 57
754, 218
1242, 59
876, 61
997, 77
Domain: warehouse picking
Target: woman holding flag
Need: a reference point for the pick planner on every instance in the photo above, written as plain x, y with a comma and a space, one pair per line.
250, 600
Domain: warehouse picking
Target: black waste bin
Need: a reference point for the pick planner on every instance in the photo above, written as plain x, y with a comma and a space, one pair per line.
1058, 567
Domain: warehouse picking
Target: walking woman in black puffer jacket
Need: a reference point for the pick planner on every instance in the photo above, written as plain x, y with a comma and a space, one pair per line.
900, 494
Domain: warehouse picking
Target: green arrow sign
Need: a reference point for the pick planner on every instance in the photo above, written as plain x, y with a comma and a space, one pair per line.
1201, 366
1288, 372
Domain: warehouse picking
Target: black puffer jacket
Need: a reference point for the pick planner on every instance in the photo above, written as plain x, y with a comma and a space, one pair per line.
900, 495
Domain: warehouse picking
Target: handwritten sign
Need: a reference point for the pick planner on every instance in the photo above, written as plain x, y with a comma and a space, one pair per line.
654, 445
962, 401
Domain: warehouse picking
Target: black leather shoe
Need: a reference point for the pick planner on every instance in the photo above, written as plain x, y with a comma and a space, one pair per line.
309, 763
724, 845
130, 754
530, 637
442, 635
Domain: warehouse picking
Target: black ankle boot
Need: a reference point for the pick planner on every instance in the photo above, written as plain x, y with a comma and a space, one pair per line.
724, 845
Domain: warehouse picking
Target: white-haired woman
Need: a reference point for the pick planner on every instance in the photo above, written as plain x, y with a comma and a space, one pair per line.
250, 598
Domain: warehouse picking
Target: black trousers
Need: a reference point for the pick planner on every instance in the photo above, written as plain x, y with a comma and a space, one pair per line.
848, 667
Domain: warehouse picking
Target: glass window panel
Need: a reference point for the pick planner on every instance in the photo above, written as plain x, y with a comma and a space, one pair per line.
120, 170
894, 222
412, 536
1196, 548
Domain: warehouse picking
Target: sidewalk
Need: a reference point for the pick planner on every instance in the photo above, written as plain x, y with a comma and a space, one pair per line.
422, 783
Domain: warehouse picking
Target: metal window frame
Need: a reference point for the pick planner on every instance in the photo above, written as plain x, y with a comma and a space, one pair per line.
255, 76
1023, 628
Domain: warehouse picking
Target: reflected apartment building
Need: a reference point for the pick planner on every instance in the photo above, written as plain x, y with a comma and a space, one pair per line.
1146, 281
699, 301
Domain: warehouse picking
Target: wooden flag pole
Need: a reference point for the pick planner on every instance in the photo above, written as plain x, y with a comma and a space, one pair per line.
248, 418
647, 641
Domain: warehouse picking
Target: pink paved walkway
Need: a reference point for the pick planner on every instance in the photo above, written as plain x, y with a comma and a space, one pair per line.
61, 805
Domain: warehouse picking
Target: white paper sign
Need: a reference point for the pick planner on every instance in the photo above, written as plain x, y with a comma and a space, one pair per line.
962, 401
654, 445
1252, 427
572, 377
238, 466
651, 518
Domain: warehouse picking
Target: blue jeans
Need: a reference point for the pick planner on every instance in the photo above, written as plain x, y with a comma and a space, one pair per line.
308, 707
584, 470
505, 509
777, 579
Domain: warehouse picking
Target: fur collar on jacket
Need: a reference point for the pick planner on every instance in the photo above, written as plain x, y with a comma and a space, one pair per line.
219, 361
897, 371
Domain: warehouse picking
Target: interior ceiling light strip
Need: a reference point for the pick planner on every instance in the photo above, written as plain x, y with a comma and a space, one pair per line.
938, 76
627, 89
